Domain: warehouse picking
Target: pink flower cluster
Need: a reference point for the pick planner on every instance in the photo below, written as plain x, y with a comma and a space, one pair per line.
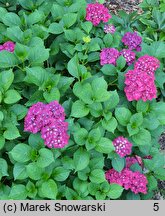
49, 119
108, 28
135, 181
140, 82
147, 64
109, 56
96, 13
129, 56
132, 40
132, 160
122, 146
8, 46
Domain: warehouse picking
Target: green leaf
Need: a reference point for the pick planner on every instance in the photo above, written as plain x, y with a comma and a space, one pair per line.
34, 172
80, 136
35, 17
15, 34
109, 125
131, 196
38, 54
18, 192
87, 26
11, 19
56, 28
123, 115
19, 110
142, 106
11, 96
142, 138
54, 94
84, 92
2, 142
36, 75
48, 189
6, 79
100, 93
73, 67
132, 130
81, 159
3, 168
21, 51
69, 19
11, 132
19, 171
97, 176
121, 62
109, 70
104, 145
152, 183
79, 109
21, 153
45, 158
8, 59
136, 167
31, 190
112, 102
118, 163
57, 11
60, 174
136, 119
96, 109
115, 191
108, 39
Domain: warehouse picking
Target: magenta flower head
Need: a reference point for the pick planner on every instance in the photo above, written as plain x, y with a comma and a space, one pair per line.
132, 40
33, 120
109, 28
109, 56
139, 86
112, 176
55, 134
132, 160
50, 120
135, 181
122, 146
138, 183
1, 47
148, 64
128, 55
9, 46
96, 13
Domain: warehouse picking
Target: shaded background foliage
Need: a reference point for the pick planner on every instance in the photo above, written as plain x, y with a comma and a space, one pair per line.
52, 61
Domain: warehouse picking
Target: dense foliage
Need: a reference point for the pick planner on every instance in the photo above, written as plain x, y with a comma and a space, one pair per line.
81, 100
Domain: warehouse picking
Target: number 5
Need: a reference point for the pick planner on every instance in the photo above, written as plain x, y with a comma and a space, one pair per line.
156, 207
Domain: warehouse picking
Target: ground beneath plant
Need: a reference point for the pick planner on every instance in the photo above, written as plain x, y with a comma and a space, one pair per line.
128, 6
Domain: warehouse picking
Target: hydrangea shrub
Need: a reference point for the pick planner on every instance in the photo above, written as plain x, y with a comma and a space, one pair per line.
81, 104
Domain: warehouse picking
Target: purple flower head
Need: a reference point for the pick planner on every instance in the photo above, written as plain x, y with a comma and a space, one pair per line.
9, 46
33, 120
96, 13
1, 47
139, 86
148, 64
109, 56
122, 146
108, 28
135, 181
132, 40
55, 135
138, 183
128, 55
50, 120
